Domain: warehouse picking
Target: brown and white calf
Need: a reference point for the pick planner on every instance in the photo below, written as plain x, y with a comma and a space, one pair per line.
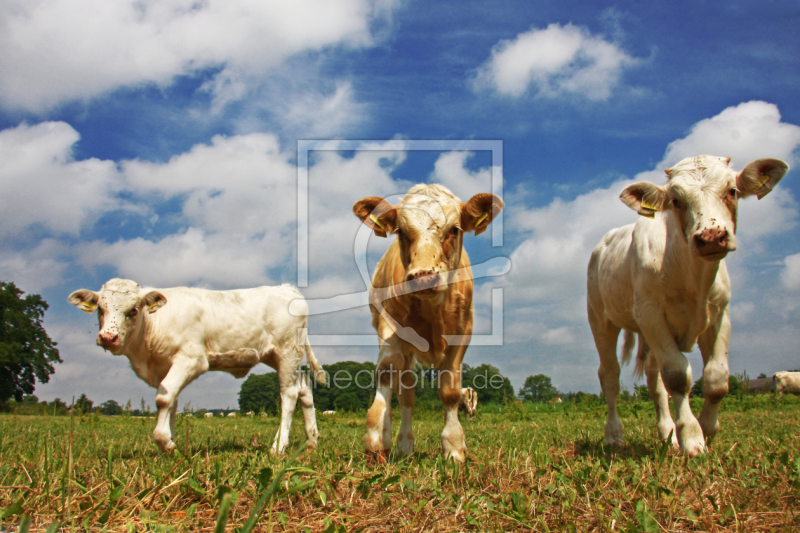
172, 336
469, 402
786, 382
665, 280
421, 303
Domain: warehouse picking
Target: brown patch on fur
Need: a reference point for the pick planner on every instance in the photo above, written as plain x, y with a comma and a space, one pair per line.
676, 381
375, 414
450, 397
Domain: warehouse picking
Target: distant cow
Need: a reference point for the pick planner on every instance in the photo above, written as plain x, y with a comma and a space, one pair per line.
209, 415
231, 415
250, 414
787, 382
421, 303
469, 402
664, 279
172, 336
328, 412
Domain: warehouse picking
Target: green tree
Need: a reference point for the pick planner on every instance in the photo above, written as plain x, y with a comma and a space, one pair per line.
110, 408
357, 380
84, 404
348, 401
260, 391
538, 388
26, 352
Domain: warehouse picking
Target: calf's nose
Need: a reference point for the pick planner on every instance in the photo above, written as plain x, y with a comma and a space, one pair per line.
107, 338
420, 280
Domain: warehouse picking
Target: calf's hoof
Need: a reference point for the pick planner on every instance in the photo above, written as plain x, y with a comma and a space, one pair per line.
457, 455
693, 448
380, 457
166, 447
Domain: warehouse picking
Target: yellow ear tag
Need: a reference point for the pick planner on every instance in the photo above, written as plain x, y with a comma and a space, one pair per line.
478, 230
377, 222
650, 207
88, 307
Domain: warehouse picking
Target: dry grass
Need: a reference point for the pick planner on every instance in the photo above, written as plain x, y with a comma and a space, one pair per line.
530, 467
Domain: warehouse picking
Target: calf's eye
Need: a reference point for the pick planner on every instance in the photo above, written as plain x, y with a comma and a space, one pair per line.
733, 193
676, 203
133, 312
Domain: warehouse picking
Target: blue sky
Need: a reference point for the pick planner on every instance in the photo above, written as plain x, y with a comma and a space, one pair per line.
158, 141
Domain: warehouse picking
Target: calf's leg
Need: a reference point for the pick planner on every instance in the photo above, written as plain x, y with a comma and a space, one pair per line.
713, 345
378, 440
605, 339
405, 396
306, 398
676, 373
660, 397
184, 370
454, 445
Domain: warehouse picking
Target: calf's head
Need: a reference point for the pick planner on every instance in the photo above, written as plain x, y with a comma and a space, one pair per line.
430, 223
702, 195
120, 305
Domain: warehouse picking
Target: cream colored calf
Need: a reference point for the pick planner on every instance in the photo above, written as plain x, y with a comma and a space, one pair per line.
665, 280
172, 336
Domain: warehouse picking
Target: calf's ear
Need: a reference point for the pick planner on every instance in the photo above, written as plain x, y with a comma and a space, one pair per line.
84, 299
760, 176
377, 214
645, 198
479, 211
153, 301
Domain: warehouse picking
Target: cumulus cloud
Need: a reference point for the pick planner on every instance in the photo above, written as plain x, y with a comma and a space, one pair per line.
790, 276
42, 185
451, 171
52, 51
748, 131
555, 61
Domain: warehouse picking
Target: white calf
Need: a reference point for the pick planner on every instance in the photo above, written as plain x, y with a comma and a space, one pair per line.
172, 336
664, 278
787, 382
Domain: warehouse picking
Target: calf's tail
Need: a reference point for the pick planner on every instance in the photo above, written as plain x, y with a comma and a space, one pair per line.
627, 346
319, 374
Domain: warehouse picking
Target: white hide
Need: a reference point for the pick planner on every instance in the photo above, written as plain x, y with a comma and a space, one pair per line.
172, 336
787, 382
664, 279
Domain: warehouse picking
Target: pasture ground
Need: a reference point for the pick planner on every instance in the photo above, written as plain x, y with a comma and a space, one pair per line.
530, 467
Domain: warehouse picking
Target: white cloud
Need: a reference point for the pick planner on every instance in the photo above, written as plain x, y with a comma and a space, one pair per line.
556, 61
450, 170
748, 131
41, 184
243, 185
319, 114
36, 269
790, 276
216, 261
52, 51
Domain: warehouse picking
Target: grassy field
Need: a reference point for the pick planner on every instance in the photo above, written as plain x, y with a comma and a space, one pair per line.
541, 468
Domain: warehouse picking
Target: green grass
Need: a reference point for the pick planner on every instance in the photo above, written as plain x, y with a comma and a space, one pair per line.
535, 467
